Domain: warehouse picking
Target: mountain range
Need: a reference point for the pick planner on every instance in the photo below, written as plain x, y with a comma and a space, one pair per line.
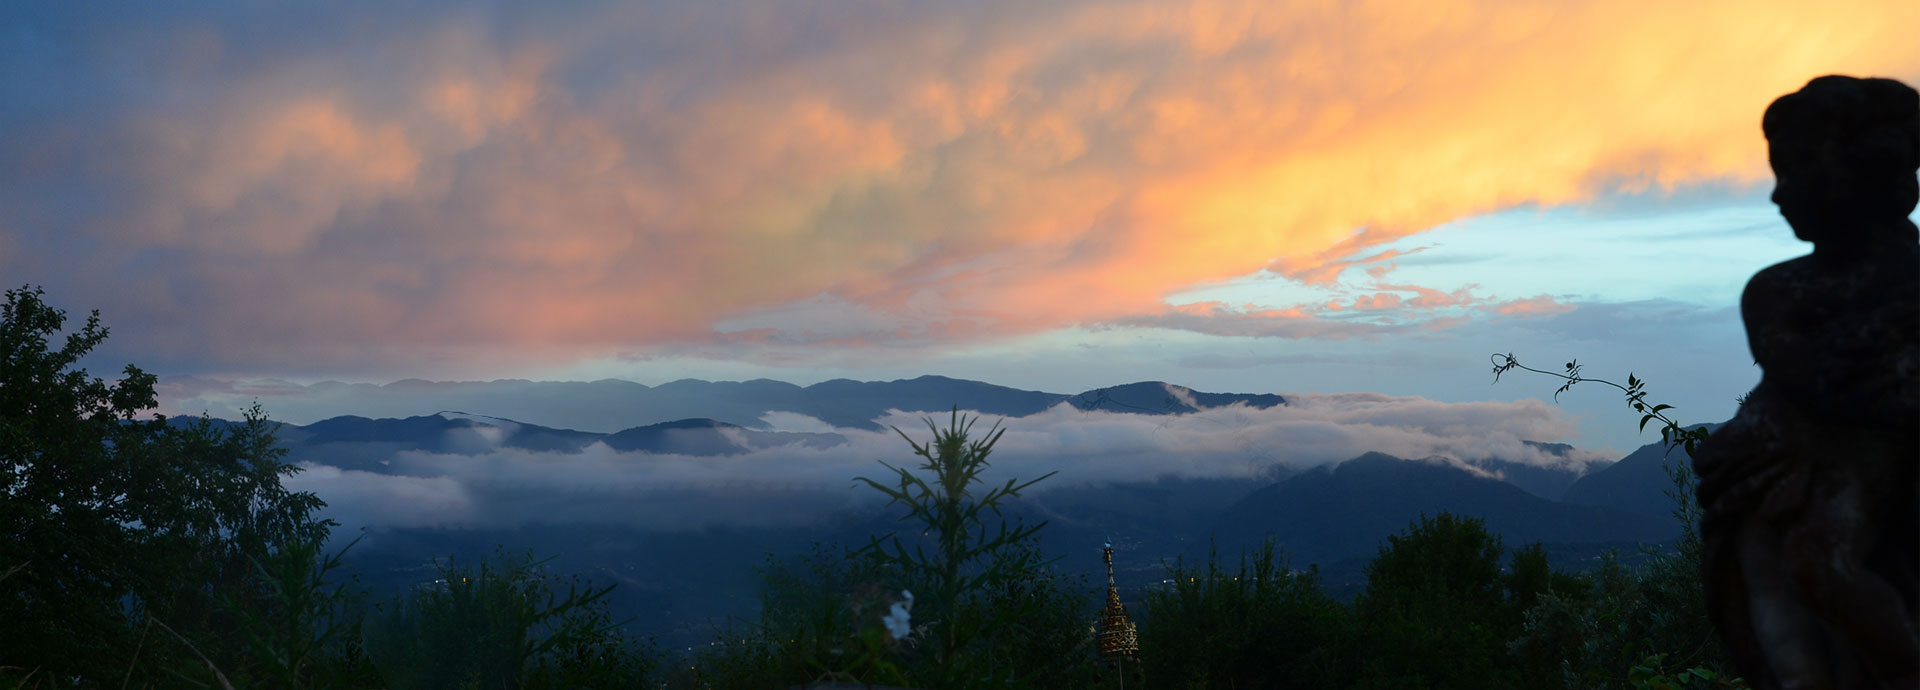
1335, 515
611, 405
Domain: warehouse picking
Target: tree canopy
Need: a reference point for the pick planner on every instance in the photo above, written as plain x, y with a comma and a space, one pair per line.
116, 517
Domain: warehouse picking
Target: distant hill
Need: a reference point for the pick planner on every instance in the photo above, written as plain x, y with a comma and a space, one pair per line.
855, 404
359, 443
610, 405
710, 437
713, 418
1155, 397
1637, 484
1549, 482
442, 432
1331, 513
1159, 518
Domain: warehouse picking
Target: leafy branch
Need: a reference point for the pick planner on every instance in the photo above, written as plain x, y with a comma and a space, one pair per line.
1671, 434
969, 557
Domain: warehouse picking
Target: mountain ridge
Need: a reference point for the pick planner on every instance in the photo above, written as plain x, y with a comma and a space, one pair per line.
1318, 516
613, 405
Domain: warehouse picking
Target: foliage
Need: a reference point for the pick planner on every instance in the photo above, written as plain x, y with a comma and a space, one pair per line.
978, 607
1624, 618
969, 562
985, 610
298, 624
1630, 620
1043, 641
1585, 639
1436, 611
502, 624
1671, 433
1678, 625
1262, 625
819, 618
146, 552
118, 525
1653, 673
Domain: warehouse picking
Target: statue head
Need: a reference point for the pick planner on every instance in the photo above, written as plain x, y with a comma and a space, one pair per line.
1844, 152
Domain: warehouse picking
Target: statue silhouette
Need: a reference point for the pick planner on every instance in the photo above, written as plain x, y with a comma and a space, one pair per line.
1812, 524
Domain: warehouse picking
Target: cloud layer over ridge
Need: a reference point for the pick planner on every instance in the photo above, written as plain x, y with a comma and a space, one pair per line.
794, 484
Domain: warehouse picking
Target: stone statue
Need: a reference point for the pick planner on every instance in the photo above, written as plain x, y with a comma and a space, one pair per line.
1811, 525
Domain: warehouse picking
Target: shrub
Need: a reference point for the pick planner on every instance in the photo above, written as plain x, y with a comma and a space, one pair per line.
502, 624
1262, 625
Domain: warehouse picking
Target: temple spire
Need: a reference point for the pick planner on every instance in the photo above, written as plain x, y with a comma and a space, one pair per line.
1117, 640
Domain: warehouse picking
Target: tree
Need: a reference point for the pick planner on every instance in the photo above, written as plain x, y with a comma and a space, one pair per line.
1263, 625
819, 616
1537, 588
1621, 624
953, 603
66, 444
969, 562
123, 533
504, 624
1436, 611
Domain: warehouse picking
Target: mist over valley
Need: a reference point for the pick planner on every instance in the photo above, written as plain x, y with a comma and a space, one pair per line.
679, 505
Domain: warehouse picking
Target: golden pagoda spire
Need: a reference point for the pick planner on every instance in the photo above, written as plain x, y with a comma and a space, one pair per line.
1117, 640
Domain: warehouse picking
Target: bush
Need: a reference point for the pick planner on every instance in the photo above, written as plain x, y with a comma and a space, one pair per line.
815, 616
1649, 623
502, 624
297, 625
1263, 625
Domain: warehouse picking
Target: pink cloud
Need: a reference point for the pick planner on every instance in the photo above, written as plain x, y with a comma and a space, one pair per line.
1429, 298
558, 193
1379, 300
1540, 305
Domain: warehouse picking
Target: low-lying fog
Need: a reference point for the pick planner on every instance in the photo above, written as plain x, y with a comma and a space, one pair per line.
498, 486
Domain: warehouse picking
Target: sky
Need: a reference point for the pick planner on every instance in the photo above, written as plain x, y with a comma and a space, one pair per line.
1262, 196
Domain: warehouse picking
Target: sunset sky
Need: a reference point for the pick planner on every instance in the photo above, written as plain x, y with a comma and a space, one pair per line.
1267, 196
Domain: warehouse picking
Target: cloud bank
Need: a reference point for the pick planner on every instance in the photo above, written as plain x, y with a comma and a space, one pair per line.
796, 485
471, 185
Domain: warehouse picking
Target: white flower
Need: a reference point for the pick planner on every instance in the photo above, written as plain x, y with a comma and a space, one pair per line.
898, 621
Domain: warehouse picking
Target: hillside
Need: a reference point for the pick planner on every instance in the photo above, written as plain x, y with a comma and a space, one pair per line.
1343, 511
1637, 484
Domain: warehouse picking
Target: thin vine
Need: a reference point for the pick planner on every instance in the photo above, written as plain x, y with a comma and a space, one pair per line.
1672, 434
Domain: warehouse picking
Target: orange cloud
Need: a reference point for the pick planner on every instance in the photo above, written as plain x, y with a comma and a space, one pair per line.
1380, 300
973, 171
1541, 305
1325, 270
1429, 298
272, 180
